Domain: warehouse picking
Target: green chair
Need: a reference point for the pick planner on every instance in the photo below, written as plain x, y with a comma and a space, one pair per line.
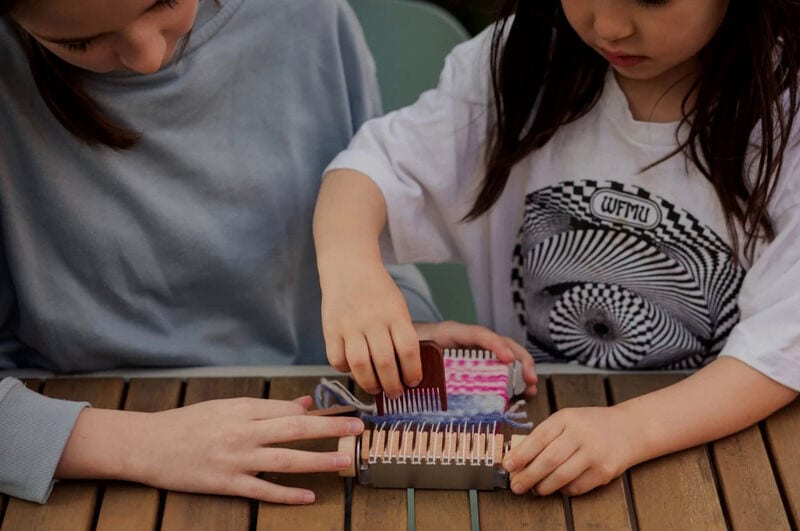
409, 41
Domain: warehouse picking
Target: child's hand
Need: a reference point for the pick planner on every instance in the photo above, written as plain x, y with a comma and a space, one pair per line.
574, 450
450, 334
365, 320
214, 447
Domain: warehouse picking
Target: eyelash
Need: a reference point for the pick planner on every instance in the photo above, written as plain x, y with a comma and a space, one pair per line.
652, 3
82, 46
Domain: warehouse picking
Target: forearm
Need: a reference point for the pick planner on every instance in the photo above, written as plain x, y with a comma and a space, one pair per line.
349, 218
718, 400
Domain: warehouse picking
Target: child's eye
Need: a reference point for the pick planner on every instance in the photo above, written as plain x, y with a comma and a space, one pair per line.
77, 46
169, 4
652, 3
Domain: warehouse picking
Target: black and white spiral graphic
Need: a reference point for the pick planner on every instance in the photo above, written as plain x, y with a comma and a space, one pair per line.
609, 276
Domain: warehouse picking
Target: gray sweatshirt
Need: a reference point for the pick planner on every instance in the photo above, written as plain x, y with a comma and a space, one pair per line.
193, 248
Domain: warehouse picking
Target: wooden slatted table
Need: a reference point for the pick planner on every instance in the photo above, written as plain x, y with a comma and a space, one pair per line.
750, 480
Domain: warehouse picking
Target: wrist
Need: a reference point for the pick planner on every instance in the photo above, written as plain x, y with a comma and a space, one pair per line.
104, 444
349, 256
643, 430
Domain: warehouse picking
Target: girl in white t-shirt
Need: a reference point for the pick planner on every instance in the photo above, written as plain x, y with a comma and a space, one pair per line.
620, 178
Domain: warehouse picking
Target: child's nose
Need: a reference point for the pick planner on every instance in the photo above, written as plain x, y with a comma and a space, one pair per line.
612, 22
143, 50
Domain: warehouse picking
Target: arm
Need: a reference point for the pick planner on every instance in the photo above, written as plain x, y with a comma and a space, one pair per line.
215, 447
576, 450
364, 315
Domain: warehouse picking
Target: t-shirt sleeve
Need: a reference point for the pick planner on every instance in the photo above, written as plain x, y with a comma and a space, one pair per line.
424, 157
767, 336
33, 432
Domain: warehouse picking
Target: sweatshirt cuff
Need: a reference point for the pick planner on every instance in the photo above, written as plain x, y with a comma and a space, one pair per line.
33, 432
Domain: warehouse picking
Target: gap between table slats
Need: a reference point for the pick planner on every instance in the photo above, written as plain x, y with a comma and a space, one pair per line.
782, 431
676, 491
605, 507
328, 511
506, 510
387, 506
122, 500
199, 511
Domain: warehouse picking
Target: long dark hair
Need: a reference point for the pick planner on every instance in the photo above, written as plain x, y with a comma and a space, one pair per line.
60, 86
747, 70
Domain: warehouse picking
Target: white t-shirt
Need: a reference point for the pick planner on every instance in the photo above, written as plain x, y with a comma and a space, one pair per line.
585, 257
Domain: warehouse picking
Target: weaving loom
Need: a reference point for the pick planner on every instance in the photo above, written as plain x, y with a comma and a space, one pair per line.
449, 432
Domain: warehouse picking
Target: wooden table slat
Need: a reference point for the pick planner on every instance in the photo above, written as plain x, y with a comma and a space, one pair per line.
505, 510
672, 492
783, 432
605, 507
327, 511
121, 500
751, 494
676, 491
72, 504
199, 511
388, 506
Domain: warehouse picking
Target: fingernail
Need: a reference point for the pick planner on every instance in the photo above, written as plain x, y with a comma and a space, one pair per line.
508, 464
341, 460
355, 426
413, 383
308, 497
515, 487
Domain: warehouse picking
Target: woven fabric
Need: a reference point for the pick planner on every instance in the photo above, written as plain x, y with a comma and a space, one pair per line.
477, 387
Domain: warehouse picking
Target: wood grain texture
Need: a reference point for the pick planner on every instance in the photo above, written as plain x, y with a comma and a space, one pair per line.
72, 504
783, 433
748, 486
605, 507
676, 491
123, 500
327, 512
506, 510
368, 505
197, 511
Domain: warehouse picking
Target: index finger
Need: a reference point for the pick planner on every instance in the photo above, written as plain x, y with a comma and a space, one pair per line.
300, 427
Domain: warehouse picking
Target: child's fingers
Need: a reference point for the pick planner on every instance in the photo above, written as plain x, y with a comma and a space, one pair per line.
406, 342
532, 445
589, 479
453, 334
385, 362
528, 365
335, 352
547, 461
563, 475
360, 363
